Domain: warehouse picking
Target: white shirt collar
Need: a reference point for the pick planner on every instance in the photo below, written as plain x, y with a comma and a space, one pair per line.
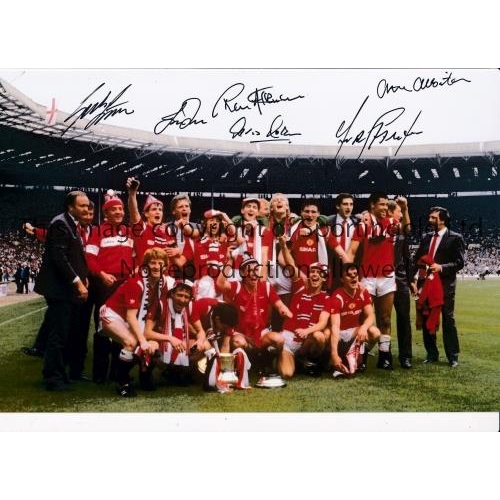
73, 219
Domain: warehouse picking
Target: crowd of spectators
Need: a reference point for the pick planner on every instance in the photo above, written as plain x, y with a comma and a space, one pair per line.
482, 259
17, 250
476, 221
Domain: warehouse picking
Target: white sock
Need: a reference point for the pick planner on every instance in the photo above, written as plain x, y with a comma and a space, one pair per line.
126, 355
384, 343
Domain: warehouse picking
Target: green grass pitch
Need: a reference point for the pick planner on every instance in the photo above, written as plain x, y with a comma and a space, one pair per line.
472, 387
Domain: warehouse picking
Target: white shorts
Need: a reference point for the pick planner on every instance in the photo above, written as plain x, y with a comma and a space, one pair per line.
378, 287
205, 287
280, 282
347, 334
290, 344
348, 349
107, 315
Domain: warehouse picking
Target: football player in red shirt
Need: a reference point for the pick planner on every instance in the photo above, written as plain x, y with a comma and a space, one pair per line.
254, 299
151, 232
180, 207
219, 320
309, 242
353, 324
252, 237
123, 315
168, 323
109, 253
280, 222
208, 253
376, 237
305, 334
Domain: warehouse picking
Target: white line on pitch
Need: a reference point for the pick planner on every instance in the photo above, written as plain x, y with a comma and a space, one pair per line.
23, 316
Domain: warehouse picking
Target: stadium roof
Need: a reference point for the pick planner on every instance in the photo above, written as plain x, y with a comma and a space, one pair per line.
32, 151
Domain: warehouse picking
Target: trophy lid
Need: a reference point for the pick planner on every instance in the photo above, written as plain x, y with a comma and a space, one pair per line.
270, 382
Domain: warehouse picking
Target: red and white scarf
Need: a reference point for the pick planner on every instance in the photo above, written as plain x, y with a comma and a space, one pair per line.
257, 242
176, 325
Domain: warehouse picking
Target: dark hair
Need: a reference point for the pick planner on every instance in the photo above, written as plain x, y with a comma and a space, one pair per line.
227, 314
91, 205
204, 225
70, 198
346, 266
374, 197
341, 197
183, 286
309, 201
444, 215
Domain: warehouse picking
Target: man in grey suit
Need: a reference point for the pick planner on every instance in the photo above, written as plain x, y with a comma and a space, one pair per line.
446, 248
63, 282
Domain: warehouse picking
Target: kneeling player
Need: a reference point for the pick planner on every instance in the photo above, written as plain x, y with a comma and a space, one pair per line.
353, 324
123, 314
306, 332
254, 299
168, 324
219, 320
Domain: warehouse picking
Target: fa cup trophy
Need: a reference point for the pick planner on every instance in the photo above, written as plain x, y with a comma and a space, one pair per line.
227, 368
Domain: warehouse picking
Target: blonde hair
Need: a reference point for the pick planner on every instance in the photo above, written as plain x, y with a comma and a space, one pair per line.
280, 195
154, 254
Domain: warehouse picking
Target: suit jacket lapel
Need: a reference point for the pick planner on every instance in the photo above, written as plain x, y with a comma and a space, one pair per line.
442, 244
444, 239
70, 223
74, 231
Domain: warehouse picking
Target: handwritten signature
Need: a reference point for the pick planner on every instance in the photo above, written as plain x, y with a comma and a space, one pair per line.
183, 118
379, 131
419, 84
106, 108
277, 131
258, 98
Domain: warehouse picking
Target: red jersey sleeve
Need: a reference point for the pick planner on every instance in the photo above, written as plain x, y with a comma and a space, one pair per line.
40, 234
92, 252
231, 294
366, 298
267, 237
359, 233
132, 294
201, 307
188, 251
273, 296
335, 305
332, 241
137, 229
297, 285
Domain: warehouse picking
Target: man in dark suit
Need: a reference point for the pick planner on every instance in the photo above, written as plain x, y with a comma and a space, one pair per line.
402, 265
25, 278
63, 282
446, 248
18, 277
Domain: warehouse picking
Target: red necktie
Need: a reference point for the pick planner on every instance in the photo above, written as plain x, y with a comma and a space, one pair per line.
432, 248
343, 235
79, 233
